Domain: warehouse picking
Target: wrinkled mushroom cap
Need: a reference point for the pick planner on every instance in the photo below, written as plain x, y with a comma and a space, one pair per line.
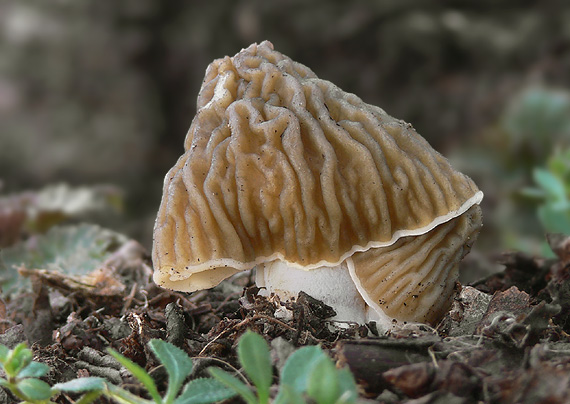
281, 165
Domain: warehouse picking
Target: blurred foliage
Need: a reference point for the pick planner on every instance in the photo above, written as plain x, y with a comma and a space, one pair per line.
75, 250
525, 162
553, 193
536, 121
94, 91
538, 125
31, 212
56, 203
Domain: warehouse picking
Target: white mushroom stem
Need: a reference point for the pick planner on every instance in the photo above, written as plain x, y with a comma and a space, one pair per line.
331, 285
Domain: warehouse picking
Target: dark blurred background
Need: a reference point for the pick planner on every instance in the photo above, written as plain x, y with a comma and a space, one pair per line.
102, 92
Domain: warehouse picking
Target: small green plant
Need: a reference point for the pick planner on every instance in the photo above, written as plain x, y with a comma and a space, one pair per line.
23, 378
178, 367
553, 193
308, 374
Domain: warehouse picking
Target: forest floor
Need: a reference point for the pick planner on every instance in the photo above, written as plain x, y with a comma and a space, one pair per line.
504, 340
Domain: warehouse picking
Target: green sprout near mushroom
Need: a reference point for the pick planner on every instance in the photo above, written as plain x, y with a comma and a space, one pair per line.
23, 380
308, 375
552, 192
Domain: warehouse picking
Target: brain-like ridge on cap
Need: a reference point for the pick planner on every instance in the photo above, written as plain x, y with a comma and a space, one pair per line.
279, 164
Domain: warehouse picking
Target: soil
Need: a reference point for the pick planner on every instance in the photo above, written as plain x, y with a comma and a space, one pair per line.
504, 340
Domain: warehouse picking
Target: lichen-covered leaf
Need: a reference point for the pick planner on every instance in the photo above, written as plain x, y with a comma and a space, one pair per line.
73, 250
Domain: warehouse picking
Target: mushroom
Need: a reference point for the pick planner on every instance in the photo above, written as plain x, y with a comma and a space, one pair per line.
317, 190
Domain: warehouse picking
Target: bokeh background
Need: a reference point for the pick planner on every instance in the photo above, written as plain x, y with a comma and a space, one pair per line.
96, 97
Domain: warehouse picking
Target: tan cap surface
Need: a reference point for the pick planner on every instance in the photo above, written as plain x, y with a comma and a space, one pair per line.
279, 164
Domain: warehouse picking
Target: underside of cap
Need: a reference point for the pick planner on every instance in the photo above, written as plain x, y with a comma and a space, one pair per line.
413, 280
279, 164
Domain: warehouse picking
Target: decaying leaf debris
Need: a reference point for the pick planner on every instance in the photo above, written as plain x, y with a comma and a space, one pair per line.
505, 339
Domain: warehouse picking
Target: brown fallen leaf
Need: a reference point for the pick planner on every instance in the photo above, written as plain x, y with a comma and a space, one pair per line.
511, 303
413, 380
546, 382
4, 322
466, 312
419, 379
100, 282
369, 359
12, 219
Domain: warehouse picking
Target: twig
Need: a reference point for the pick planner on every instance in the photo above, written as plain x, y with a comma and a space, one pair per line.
241, 324
224, 302
226, 364
129, 298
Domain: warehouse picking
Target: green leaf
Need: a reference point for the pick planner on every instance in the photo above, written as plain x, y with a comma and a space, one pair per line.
89, 397
20, 357
204, 391
80, 385
34, 369
177, 363
533, 193
288, 395
323, 385
4, 352
139, 373
347, 384
35, 389
538, 115
346, 398
553, 186
230, 381
123, 396
299, 366
559, 164
253, 354
554, 220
